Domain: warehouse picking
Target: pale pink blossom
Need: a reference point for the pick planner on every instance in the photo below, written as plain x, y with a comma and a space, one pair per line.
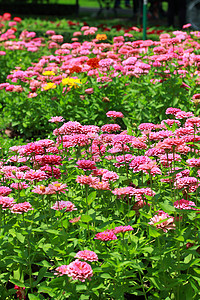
87, 255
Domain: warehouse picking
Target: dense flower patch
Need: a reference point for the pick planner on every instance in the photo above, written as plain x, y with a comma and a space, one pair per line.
90, 74
106, 206
90, 215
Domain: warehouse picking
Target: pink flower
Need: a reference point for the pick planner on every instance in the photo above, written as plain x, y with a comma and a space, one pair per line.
172, 111
109, 175
146, 126
35, 175
86, 165
19, 185
123, 159
4, 190
101, 185
75, 220
184, 204
110, 127
87, 255
137, 161
48, 160
67, 205
56, 119
167, 224
107, 235
184, 115
57, 38
114, 114
20, 208
88, 180
89, 91
69, 128
58, 187
193, 162
140, 193
50, 32
122, 229
77, 269
187, 182
187, 25
124, 191
6, 202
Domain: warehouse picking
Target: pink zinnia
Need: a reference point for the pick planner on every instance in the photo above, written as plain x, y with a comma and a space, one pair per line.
172, 111
88, 180
122, 229
77, 269
184, 115
110, 127
107, 235
58, 187
57, 38
56, 119
184, 204
4, 190
87, 255
86, 165
167, 224
110, 176
20, 208
6, 202
35, 175
124, 191
114, 114
67, 205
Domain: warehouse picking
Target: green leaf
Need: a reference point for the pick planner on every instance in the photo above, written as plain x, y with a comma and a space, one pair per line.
167, 206
106, 276
142, 213
33, 297
86, 218
20, 237
17, 282
91, 197
153, 232
46, 290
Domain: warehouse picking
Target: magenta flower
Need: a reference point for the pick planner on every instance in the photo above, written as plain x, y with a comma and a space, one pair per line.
122, 229
86, 165
77, 269
107, 235
110, 127
115, 114
87, 255
184, 204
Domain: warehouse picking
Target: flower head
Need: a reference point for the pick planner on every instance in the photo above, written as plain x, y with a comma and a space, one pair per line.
87, 255
78, 270
107, 235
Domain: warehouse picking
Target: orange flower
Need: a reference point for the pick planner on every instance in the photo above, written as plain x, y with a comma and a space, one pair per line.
101, 37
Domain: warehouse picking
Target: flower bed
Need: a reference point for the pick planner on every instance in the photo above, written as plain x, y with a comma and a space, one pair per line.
108, 210
97, 213
90, 74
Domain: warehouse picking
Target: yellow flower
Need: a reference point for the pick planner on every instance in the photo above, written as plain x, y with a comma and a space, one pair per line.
49, 86
48, 73
101, 37
72, 82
